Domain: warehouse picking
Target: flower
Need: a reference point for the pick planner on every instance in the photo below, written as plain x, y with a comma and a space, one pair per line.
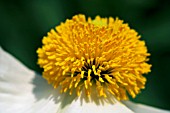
103, 54
23, 91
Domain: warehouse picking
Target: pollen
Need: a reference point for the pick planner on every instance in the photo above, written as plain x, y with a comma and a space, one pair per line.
104, 53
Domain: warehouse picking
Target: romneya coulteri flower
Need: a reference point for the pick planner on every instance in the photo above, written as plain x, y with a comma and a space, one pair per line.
93, 65
102, 56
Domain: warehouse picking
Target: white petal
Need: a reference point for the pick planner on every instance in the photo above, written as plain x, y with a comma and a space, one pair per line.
83, 104
23, 91
139, 108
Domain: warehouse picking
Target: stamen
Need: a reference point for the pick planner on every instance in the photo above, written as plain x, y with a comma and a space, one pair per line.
104, 53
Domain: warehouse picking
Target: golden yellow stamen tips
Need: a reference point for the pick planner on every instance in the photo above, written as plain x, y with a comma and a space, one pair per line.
104, 53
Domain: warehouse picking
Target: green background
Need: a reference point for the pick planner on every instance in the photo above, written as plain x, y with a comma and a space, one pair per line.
23, 23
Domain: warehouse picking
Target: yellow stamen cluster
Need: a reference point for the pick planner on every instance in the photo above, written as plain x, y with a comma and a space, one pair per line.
104, 53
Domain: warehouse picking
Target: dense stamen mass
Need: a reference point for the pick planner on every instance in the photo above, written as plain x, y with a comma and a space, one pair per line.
94, 69
103, 53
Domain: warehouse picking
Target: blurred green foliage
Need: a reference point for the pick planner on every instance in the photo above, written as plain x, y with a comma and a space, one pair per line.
23, 23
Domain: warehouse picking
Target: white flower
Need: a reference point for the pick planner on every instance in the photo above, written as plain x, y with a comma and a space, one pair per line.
24, 91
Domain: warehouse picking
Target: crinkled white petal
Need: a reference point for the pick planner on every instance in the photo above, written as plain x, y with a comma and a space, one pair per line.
22, 90
140, 108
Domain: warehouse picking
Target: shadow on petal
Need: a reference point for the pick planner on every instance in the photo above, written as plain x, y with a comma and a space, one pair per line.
42, 90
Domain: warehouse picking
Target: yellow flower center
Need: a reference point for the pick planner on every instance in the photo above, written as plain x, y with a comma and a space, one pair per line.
104, 53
